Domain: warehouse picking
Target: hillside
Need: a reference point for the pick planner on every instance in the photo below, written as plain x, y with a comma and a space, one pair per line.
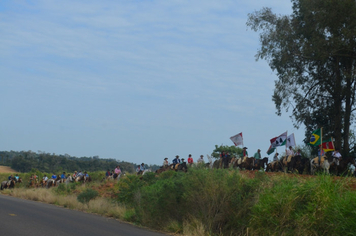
7, 169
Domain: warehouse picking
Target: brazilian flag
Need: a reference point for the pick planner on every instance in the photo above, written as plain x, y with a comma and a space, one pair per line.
315, 138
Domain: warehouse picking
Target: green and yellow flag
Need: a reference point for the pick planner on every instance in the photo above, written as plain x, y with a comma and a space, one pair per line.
315, 138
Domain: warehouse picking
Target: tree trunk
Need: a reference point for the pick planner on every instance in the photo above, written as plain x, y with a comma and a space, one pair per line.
338, 103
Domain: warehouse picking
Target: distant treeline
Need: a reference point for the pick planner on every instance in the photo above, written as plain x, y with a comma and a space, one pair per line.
25, 161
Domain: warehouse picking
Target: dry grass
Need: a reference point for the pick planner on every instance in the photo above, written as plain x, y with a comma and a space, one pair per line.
7, 169
194, 227
101, 206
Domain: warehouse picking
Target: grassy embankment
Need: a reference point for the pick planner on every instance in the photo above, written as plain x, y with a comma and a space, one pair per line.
219, 202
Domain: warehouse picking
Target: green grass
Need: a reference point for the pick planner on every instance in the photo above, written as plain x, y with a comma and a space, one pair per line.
221, 202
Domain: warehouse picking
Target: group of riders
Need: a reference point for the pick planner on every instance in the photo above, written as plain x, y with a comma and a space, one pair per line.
114, 174
291, 159
55, 179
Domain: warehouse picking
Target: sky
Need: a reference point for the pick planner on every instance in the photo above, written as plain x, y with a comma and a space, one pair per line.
135, 80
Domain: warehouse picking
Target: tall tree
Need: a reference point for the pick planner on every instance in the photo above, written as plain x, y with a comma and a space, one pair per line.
313, 52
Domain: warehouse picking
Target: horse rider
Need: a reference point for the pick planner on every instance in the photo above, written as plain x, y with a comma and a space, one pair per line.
298, 153
257, 157
176, 160
190, 160
142, 167
54, 176
117, 172
165, 162
320, 154
336, 154
275, 157
244, 152
138, 170
107, 174
201, 159
63, 176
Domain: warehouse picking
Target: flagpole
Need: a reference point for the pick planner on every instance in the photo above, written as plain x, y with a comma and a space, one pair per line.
295, 143
321, 141
332, 140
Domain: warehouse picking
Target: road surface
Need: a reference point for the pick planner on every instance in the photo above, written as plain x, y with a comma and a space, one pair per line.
24, 217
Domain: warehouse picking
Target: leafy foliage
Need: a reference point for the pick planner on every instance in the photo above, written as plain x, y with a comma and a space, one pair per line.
233, 150
24, 161
313, 52
87, 195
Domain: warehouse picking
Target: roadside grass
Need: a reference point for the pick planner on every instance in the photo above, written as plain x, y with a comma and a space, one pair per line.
217, 202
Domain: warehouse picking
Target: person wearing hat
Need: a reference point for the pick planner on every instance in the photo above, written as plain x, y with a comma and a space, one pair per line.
176, 160
201, 159
244, 152
190, 160
165, 162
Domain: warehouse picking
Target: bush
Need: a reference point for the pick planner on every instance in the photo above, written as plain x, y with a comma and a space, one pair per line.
87, 195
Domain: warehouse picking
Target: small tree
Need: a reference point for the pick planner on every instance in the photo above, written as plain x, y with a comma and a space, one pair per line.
233, 151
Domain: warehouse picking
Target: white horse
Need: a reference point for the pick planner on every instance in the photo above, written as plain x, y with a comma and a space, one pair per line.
325, 166
146, 171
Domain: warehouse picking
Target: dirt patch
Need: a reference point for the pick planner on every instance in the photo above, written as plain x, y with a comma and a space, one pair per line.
106, 190
6, 169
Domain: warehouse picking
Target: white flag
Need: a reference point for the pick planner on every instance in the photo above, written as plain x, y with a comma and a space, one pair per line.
237, 139
291, 140
279, 141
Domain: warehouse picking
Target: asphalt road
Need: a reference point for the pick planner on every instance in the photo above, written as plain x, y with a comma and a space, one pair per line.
22, 217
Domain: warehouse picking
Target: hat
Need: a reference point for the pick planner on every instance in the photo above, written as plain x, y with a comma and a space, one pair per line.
166, 158
201, 155
244, 148
177, 156
182, 159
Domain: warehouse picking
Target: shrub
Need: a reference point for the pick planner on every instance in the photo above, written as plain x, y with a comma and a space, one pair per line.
87, 195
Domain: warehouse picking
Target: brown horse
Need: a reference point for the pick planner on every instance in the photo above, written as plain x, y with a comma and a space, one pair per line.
260, 163
343, 166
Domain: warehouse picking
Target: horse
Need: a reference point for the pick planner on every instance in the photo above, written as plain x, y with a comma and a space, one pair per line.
274, 166
260, 163
7, 184
325, 165
50, 183
343, 166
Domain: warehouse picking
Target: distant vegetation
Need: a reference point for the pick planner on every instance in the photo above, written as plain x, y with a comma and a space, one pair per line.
25, 161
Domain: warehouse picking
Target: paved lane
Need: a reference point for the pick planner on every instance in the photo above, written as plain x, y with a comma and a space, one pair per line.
23, 217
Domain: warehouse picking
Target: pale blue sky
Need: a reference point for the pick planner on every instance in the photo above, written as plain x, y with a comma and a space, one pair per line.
134, 80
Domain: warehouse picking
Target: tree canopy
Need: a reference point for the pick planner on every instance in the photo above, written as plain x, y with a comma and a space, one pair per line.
313, 52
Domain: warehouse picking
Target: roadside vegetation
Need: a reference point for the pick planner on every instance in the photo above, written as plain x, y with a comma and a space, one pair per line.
214, 202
